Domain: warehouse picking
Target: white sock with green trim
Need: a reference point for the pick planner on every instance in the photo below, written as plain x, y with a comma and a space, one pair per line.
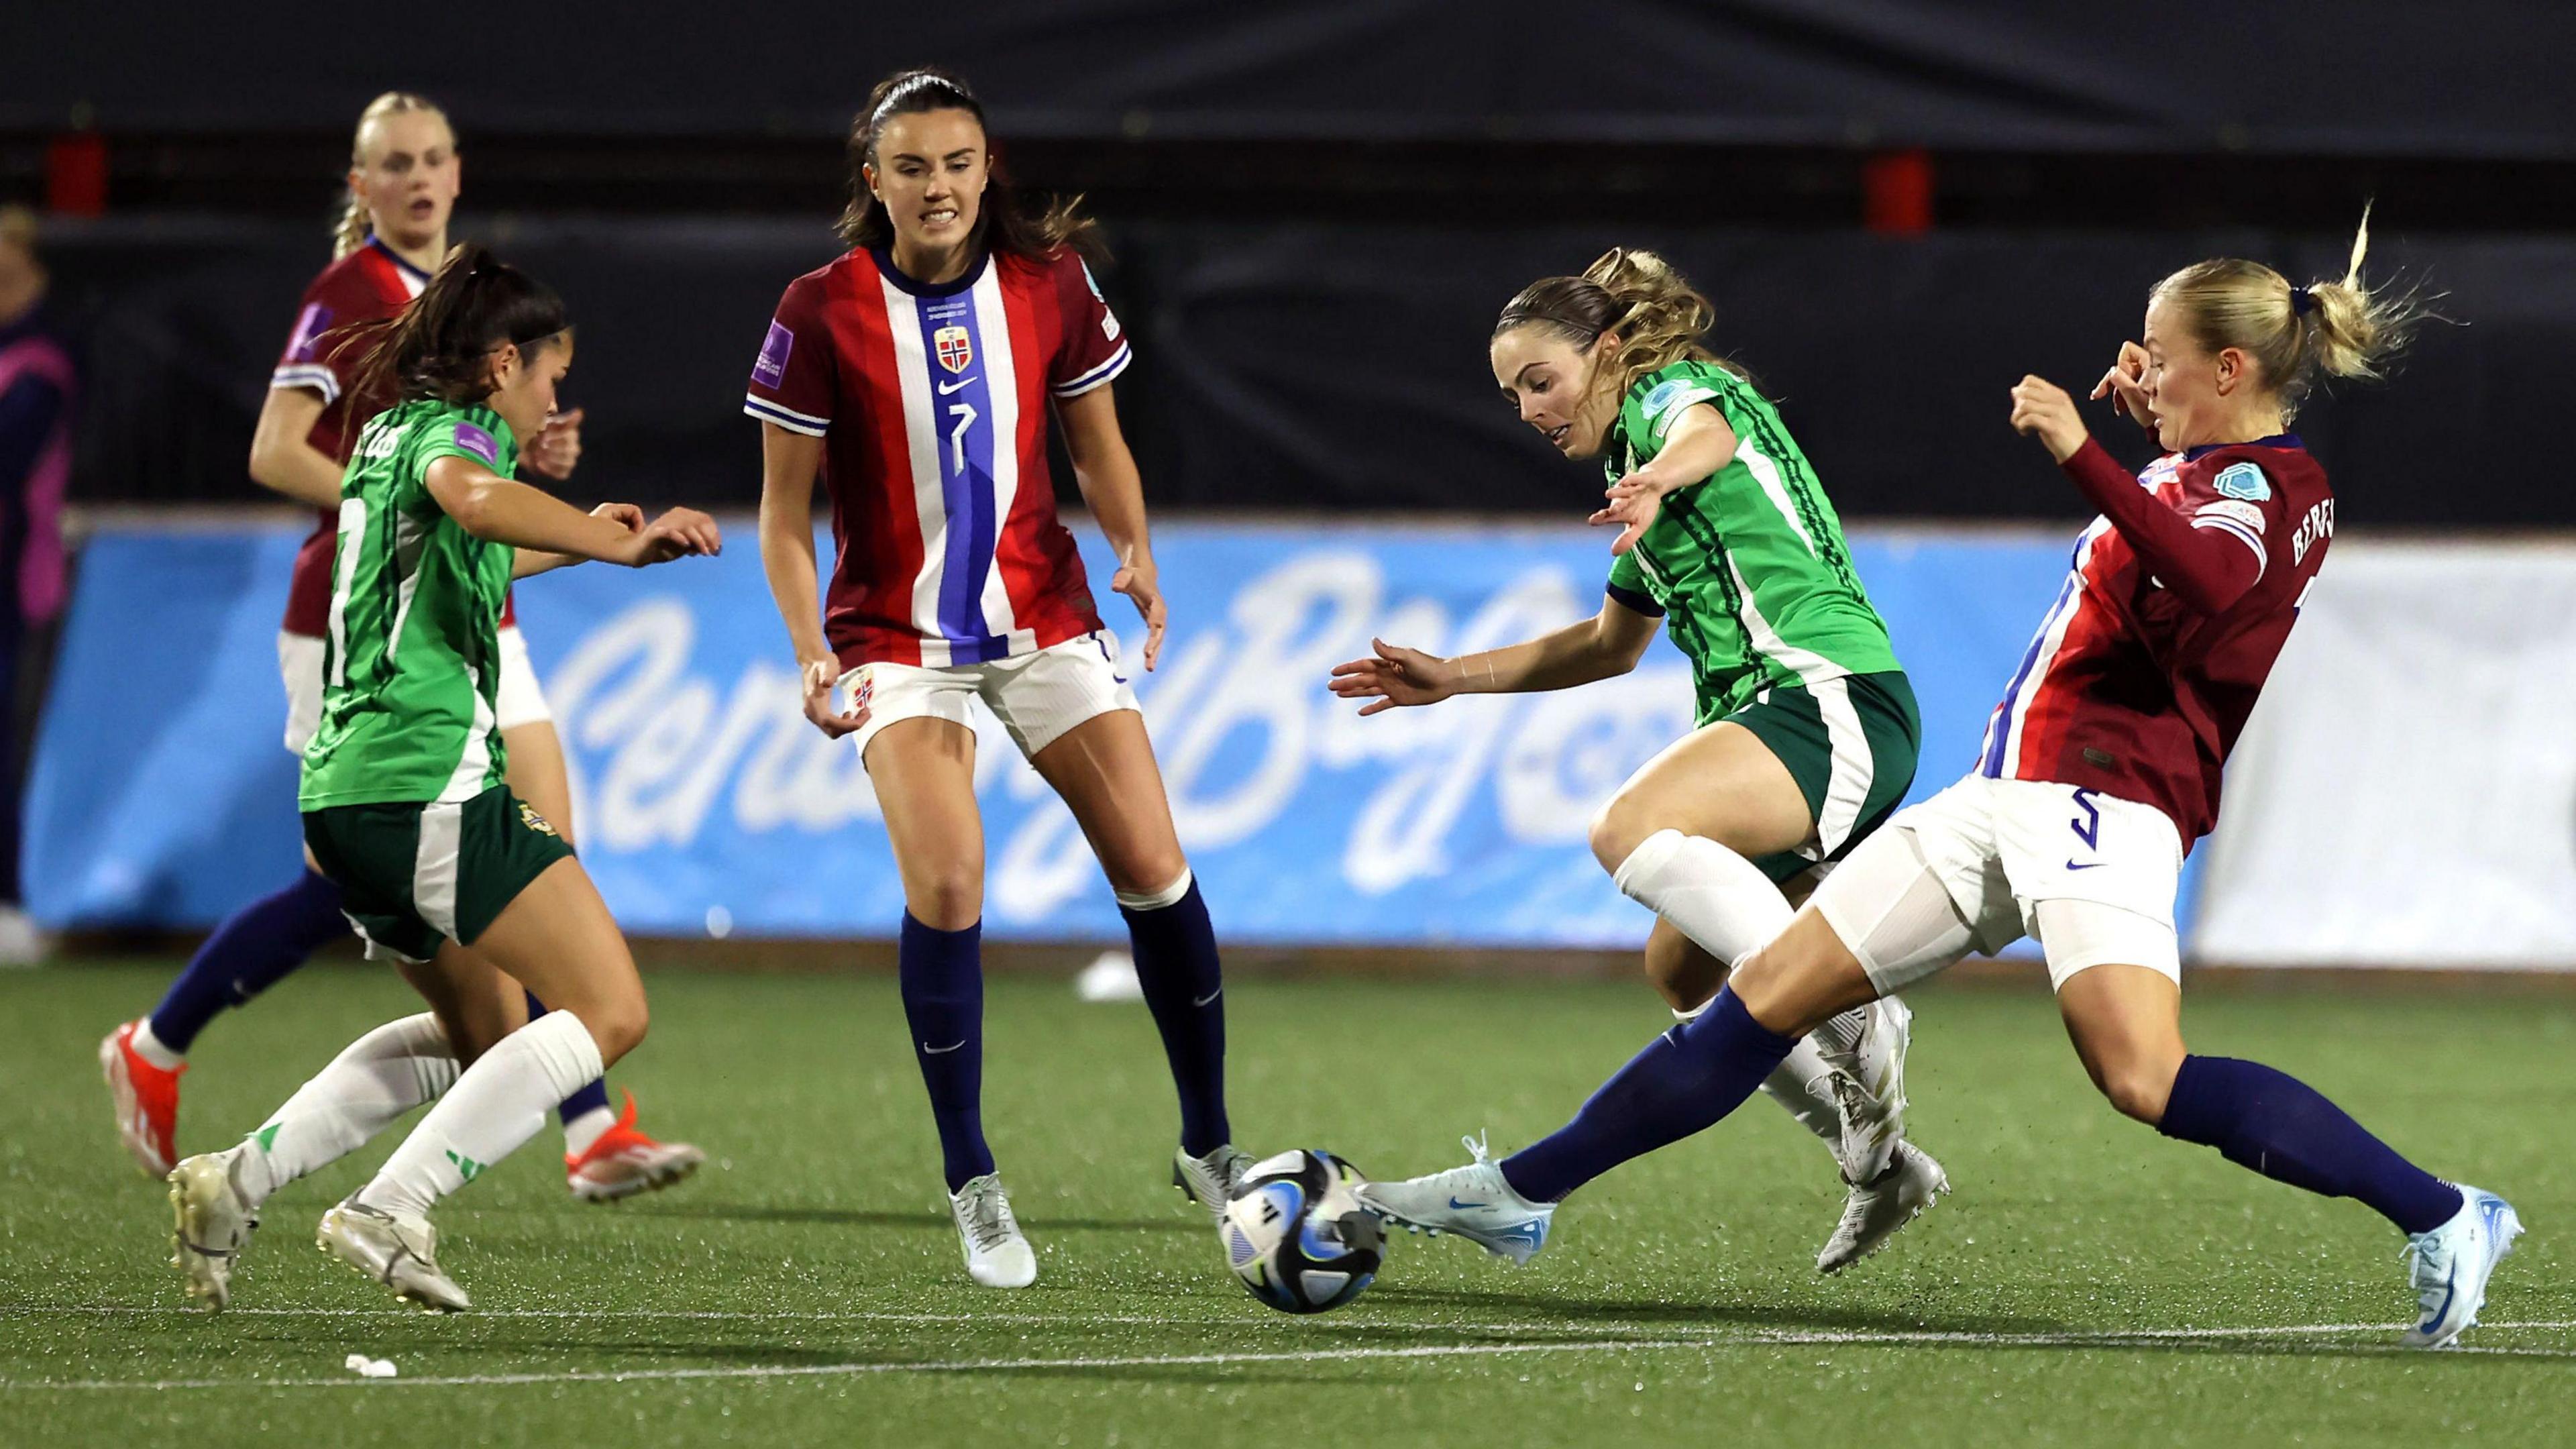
500, 1102
367, 1087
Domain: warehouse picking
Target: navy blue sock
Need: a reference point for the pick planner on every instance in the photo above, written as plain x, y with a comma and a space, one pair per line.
1176, 963
593, 1098
1683, 1083
2284, 1129
255, 948
942, 975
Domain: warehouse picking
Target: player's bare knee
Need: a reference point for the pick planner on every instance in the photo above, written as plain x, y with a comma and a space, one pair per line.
1618, 828
617, 1023
948, 898
2136, 1089
1151, 872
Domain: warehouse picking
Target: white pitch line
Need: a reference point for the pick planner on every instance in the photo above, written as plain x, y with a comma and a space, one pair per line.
1821, 1335
1751, 1339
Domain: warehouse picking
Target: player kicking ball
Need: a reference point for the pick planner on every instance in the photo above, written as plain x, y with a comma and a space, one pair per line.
1807, 728
2103, 759
406, 811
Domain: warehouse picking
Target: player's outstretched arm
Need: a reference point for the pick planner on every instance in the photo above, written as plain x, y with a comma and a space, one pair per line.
533, 561
1105, 471
498, 510
1609, 643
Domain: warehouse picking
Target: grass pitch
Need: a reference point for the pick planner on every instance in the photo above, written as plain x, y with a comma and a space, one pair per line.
2088, 1283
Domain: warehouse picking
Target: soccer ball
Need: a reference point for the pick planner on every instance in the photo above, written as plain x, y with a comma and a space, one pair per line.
1296, 1235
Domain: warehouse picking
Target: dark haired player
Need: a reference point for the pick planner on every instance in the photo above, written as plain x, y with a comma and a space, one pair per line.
916, 375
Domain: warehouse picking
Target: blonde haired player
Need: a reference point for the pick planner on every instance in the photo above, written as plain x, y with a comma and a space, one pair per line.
404, 176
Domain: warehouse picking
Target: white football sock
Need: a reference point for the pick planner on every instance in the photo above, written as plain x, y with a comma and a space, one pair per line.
495, 1107
1711, 894
370, 1084
582, 1131
149, 1047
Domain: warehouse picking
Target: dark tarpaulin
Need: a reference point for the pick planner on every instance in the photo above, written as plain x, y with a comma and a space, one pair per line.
2381, 77
1343, 368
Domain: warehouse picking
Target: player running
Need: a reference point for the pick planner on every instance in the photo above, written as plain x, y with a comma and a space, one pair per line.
2100, 764
406, 805
1807, 729
403, 181
916, 374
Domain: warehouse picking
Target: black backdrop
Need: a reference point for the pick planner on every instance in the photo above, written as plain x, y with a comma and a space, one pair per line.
1342, 366
2390, 77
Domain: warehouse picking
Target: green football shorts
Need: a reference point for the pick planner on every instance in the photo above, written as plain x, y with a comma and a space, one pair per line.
414, 875
1851, 744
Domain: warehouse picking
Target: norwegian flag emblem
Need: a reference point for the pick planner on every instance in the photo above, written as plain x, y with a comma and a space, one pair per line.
955, 348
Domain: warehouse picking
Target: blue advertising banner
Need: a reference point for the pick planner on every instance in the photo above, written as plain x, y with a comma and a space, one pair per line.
705, 804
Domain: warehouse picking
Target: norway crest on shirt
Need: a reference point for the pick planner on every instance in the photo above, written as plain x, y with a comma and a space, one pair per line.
955, 348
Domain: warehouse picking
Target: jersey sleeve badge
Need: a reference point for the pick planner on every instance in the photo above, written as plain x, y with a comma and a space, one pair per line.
478, 442
2243, 480
770, 368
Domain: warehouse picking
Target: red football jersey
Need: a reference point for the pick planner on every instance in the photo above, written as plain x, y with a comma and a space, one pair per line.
932, 402
364, 286
2130, 691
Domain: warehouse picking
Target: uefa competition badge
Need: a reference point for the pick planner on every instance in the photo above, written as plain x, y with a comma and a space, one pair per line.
955, 348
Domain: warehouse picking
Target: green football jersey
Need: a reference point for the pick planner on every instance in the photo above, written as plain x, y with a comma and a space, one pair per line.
412, 662
1748, 567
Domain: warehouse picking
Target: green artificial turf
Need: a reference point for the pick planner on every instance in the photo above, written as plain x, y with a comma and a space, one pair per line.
805, 1288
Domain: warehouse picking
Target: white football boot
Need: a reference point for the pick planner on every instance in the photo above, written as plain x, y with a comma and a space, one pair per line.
399, 1253
2451, 1265
214, 1223
997, 1256
1210, 1180
1869, 1087
1475, 1202
1874, 1210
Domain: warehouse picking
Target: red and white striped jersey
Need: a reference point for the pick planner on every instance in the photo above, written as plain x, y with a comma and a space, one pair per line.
932, 402
366, 285
2130, 691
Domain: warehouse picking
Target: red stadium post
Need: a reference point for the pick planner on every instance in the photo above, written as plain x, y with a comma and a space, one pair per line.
1896, 192
76, 174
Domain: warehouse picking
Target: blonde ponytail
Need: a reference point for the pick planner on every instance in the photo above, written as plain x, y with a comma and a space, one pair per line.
1658, 317
353, 228
2294, 334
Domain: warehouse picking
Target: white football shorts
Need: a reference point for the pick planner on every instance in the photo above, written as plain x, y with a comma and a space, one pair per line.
2090, 876
1038, 697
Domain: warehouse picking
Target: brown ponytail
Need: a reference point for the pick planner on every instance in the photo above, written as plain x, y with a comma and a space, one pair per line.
2294, 334
353, 228
440, 346
1658, 316
1008, 221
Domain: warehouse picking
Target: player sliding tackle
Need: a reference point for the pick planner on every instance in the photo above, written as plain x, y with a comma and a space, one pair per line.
1807, 728
405, 809
2102, 761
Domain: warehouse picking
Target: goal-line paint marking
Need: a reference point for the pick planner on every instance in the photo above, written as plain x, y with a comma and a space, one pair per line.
1746, 1339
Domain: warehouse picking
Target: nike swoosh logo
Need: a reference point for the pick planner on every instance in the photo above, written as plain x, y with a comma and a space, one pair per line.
2089, 865
1211, 996
931, 1051
1456, 1205
946, 388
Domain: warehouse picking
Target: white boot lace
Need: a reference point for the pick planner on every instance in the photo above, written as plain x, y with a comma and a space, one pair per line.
987, 1218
